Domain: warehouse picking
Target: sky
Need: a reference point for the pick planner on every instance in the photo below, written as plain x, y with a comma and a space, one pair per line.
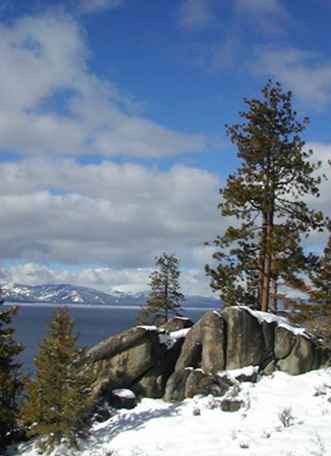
112, 127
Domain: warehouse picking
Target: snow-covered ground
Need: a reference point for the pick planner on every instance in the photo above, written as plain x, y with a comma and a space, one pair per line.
283, 415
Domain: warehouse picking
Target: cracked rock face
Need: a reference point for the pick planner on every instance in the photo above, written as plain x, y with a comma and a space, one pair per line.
190, 360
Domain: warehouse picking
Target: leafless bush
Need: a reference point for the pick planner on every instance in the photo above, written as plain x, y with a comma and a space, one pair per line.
286, 418
320, 447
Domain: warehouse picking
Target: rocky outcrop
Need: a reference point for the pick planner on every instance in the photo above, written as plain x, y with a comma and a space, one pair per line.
179, 360
141, 359
177, 323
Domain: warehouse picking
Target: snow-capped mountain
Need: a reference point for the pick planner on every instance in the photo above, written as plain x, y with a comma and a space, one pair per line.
71, 294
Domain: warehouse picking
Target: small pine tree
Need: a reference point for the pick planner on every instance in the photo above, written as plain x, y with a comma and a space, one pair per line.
58, 400
165, 297
10, 378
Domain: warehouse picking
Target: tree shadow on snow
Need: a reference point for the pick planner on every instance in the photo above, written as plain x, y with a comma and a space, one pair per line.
134, 421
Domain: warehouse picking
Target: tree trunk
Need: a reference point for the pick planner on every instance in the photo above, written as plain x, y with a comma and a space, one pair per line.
265, 297
166, 304
260, 269
274, 294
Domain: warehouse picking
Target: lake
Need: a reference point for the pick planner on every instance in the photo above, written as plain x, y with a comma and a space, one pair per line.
92, 324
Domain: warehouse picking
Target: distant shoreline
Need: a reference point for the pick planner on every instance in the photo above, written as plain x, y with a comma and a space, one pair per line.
91, 306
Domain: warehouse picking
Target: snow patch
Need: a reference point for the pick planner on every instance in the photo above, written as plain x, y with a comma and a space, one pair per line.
280, 321
244, 371
123, 393
148, 327
157, 428
169, 339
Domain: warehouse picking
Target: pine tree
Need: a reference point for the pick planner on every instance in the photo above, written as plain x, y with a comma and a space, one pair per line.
315, 311
165, 297
58, 400
322, 280
10, 378
265, 193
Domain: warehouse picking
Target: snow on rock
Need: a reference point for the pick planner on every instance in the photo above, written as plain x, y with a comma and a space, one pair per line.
123, 393
283, 416
216, 312
169, 339
148, 327
248, 371
280, 321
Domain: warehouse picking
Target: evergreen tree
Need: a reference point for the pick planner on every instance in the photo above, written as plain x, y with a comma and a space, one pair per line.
315, 313
265, 193
322, 280
165, 297
58, 400
10, 379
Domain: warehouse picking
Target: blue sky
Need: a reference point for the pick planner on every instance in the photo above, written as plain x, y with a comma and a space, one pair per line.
112, 137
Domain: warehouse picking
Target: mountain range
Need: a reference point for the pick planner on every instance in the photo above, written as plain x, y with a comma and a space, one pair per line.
67, 294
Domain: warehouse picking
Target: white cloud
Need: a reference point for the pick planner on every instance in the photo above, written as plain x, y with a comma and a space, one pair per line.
61, 108
196, 14
118, 215
193, 282
306, 73
322, 152
95, 6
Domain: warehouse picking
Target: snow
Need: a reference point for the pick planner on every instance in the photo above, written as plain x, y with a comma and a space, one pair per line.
244, 371
123, 393
169, 339
280, 321
148, 327
282, 416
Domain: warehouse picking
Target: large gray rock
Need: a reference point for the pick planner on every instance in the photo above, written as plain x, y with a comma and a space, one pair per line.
120, 368
152, 384
268, 331
198, 382
155, 363
190, 355
245, 340
119, 343
175, 388
213, 340
204, 345
303, 357
123, 369
284, 342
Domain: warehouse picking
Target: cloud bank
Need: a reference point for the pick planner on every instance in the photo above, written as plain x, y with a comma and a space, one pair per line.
61, 108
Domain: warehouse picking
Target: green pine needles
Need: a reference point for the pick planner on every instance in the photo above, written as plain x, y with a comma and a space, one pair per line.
58, 400
266, 197
165, 297
10, 378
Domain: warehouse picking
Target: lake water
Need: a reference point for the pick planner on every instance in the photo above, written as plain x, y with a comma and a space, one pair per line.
92, 324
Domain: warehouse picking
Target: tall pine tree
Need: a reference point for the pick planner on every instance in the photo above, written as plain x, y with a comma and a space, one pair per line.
266, 192
10, 378
58, 400
165, 297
